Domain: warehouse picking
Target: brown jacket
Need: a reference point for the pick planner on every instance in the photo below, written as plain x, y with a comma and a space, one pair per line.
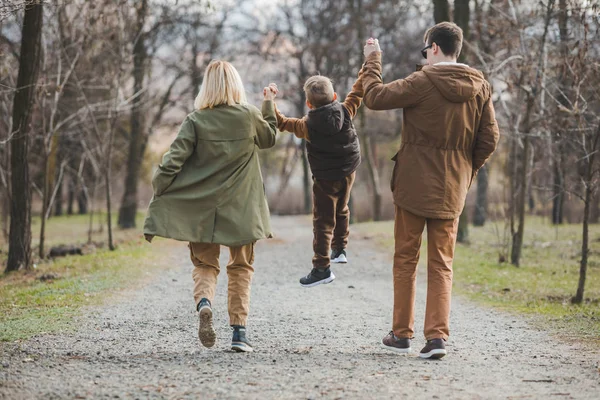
449, 131
332, 142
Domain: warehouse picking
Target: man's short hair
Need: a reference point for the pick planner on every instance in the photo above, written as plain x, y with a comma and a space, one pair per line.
319, 90
448, 36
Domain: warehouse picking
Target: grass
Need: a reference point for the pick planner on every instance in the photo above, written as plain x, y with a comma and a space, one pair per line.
541, 287
47, 298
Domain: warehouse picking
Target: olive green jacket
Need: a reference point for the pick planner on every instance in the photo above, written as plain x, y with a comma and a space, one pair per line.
209, 187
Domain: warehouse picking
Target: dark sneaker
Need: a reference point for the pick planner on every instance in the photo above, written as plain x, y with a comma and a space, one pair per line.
435, 348
339, 256
206, 331
398, 345
239, 342
317, 276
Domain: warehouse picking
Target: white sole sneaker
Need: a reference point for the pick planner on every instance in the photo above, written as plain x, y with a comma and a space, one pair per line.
435, 354
241, 347
341, 259
397, 350
206, 330
321, 282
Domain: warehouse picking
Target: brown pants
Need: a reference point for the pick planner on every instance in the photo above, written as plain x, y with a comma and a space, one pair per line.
331, 217
205, 257
441, 239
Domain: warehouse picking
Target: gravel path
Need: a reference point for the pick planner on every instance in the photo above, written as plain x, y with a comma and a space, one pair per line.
313, 343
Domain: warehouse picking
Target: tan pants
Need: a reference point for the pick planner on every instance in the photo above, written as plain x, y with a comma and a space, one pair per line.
441, 239
205, 257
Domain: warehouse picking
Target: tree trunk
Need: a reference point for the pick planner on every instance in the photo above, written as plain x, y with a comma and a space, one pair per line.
82, 202
526, 125
441, 11
45, 200
595, 208
578, 298
5, 188
49, 173
558, 198
371, 166
58, 201
481, 203
138, 136
517, 242
71, 195
5, 199
462, 17
91, 213
19, 250
462, 235
589, 192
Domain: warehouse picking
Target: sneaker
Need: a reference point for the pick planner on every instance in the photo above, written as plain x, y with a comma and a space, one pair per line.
317, 276
398, 345
239, 342
206, 331
339, 256
435, 348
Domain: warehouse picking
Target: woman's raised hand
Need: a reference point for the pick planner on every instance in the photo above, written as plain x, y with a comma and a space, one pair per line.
270, 92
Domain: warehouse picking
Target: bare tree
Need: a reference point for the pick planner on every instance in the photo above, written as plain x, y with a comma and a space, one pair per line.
19, 252
441, 11
525, 126
138, 134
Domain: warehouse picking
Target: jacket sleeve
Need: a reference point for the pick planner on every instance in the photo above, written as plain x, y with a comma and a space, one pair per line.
354, 98
487, 136
295, 125
401, 93
181, 149
266, 125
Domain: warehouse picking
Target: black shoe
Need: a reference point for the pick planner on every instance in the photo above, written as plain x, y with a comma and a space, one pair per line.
398, 345
206, 331
239, 342
339, 256
317, 276
435, 348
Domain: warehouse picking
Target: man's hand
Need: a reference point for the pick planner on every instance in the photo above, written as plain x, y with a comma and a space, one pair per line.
371, 46
270, 92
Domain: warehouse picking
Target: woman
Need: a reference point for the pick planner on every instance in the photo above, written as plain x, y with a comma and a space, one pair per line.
209, 192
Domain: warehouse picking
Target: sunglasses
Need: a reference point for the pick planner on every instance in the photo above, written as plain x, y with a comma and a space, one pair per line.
424, 51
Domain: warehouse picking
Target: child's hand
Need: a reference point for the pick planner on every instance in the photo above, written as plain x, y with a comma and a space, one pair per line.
274, 88
270, 92
371, 46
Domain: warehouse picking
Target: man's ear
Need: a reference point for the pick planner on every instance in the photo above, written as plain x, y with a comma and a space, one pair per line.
309, 105
334, 96
435, 48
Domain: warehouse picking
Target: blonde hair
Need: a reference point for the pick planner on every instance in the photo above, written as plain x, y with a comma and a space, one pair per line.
319, 90
221, 85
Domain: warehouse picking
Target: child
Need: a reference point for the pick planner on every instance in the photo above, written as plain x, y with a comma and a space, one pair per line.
208, 191
334, 156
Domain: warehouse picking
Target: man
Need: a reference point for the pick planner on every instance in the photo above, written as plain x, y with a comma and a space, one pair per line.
449, 132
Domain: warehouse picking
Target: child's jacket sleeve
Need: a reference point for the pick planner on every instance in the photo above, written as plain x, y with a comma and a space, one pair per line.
297, 126
354, 98
181, 149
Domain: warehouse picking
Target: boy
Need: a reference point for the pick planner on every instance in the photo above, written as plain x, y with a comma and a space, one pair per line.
334, 156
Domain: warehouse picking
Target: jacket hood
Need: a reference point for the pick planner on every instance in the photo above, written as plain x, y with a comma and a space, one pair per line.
458, 83
328, 119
